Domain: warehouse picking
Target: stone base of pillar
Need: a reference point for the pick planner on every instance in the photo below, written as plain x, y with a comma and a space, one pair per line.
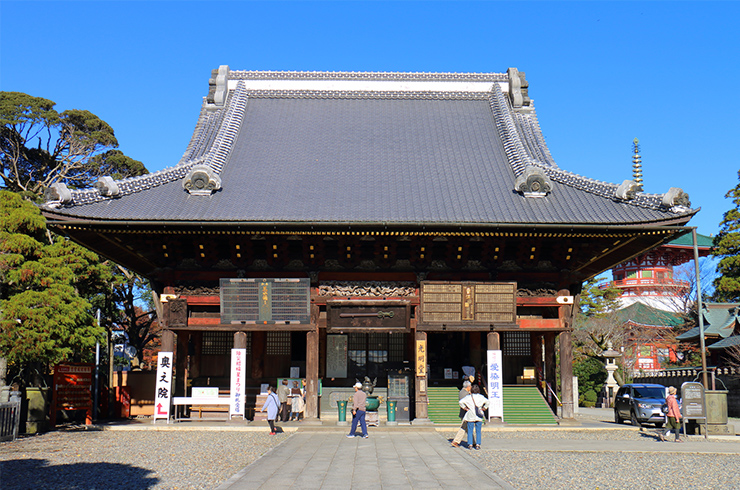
422, 421
343, 424
569, 422
391, 423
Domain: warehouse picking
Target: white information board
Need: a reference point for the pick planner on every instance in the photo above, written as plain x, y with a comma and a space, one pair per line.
163, 387
495, 385
238, 386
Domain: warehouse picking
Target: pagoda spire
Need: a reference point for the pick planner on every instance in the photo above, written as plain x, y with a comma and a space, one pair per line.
636, 163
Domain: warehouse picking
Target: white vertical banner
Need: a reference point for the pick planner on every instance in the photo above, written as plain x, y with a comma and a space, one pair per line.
163, 387
495, 385
238, 387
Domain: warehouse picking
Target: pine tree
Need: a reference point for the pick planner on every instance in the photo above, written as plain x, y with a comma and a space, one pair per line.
727, 247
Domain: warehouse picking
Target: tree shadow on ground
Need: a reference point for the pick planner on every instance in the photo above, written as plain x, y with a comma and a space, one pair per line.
32, 474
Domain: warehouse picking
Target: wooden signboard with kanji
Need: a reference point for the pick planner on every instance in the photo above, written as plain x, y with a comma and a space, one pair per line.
72, 389
466, 305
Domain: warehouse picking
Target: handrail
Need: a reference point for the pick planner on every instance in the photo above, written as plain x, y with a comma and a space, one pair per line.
560, 404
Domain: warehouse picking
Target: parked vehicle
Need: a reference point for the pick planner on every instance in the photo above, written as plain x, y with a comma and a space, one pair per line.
640, 404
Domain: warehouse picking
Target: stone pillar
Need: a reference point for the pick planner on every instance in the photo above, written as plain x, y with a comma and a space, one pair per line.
420, 382
312, 367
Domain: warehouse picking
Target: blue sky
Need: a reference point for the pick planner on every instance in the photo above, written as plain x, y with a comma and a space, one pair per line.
600, 73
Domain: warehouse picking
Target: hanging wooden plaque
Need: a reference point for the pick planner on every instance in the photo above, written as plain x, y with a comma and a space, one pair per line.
467, 304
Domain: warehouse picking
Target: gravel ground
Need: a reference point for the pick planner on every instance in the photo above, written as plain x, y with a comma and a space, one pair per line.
532, 469
131, 460
87, 460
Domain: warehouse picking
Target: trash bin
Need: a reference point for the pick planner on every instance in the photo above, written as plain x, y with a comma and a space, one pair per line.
342, 409
391, 410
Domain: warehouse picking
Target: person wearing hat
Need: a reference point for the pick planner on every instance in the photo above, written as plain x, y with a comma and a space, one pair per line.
358, 411
674, 414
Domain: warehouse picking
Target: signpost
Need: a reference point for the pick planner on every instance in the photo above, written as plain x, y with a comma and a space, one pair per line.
163, 389
495, 385
238, 382
693, 404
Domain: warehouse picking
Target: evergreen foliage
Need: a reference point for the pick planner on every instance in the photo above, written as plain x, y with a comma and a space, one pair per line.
40, 146
44, 319
727, 247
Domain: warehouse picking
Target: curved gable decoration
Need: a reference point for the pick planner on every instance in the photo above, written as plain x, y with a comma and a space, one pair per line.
533, 182
201, 181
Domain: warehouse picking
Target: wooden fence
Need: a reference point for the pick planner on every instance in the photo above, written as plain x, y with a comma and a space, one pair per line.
10, 419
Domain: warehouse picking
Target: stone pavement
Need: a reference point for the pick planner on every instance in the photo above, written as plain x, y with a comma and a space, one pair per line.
387, 460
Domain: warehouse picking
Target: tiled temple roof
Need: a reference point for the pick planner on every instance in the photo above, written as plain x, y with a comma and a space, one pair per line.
398, 148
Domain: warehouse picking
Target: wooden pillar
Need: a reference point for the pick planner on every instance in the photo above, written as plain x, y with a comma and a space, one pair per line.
550, 368
312, 367
494, 341
420, 382
259, 345
168, 341
565, 314
240, 340
566, 374
181, 365
474, 347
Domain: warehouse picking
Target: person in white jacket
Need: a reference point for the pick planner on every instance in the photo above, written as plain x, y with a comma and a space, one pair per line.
474, 404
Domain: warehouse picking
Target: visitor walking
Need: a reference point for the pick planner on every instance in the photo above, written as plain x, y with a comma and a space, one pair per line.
283, 392
465, 391
674, 415
272, 405
474, 404
359, 400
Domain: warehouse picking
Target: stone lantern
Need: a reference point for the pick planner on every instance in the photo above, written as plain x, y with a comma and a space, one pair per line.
611, 384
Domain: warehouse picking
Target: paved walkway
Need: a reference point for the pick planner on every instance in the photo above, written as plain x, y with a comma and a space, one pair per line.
387, 460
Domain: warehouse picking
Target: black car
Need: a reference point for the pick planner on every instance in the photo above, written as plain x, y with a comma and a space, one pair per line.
640, 404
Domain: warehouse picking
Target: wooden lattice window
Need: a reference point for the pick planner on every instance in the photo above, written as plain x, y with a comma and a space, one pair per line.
516, 344
217, 343
278, 343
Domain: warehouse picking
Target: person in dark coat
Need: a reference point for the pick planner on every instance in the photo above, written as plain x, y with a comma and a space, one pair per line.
283, 392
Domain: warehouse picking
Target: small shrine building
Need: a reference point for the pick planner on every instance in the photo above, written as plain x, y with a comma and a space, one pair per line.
336, 222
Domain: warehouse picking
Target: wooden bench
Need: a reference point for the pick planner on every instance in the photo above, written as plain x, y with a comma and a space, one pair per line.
201, 404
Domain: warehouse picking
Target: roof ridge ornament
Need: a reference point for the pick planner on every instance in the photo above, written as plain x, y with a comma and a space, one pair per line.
627, 190
106, 186
58, 192
518, 89
201, 180
676, 199
218, 88
533, 182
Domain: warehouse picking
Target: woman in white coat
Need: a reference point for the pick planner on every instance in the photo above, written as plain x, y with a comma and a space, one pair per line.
474, 404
